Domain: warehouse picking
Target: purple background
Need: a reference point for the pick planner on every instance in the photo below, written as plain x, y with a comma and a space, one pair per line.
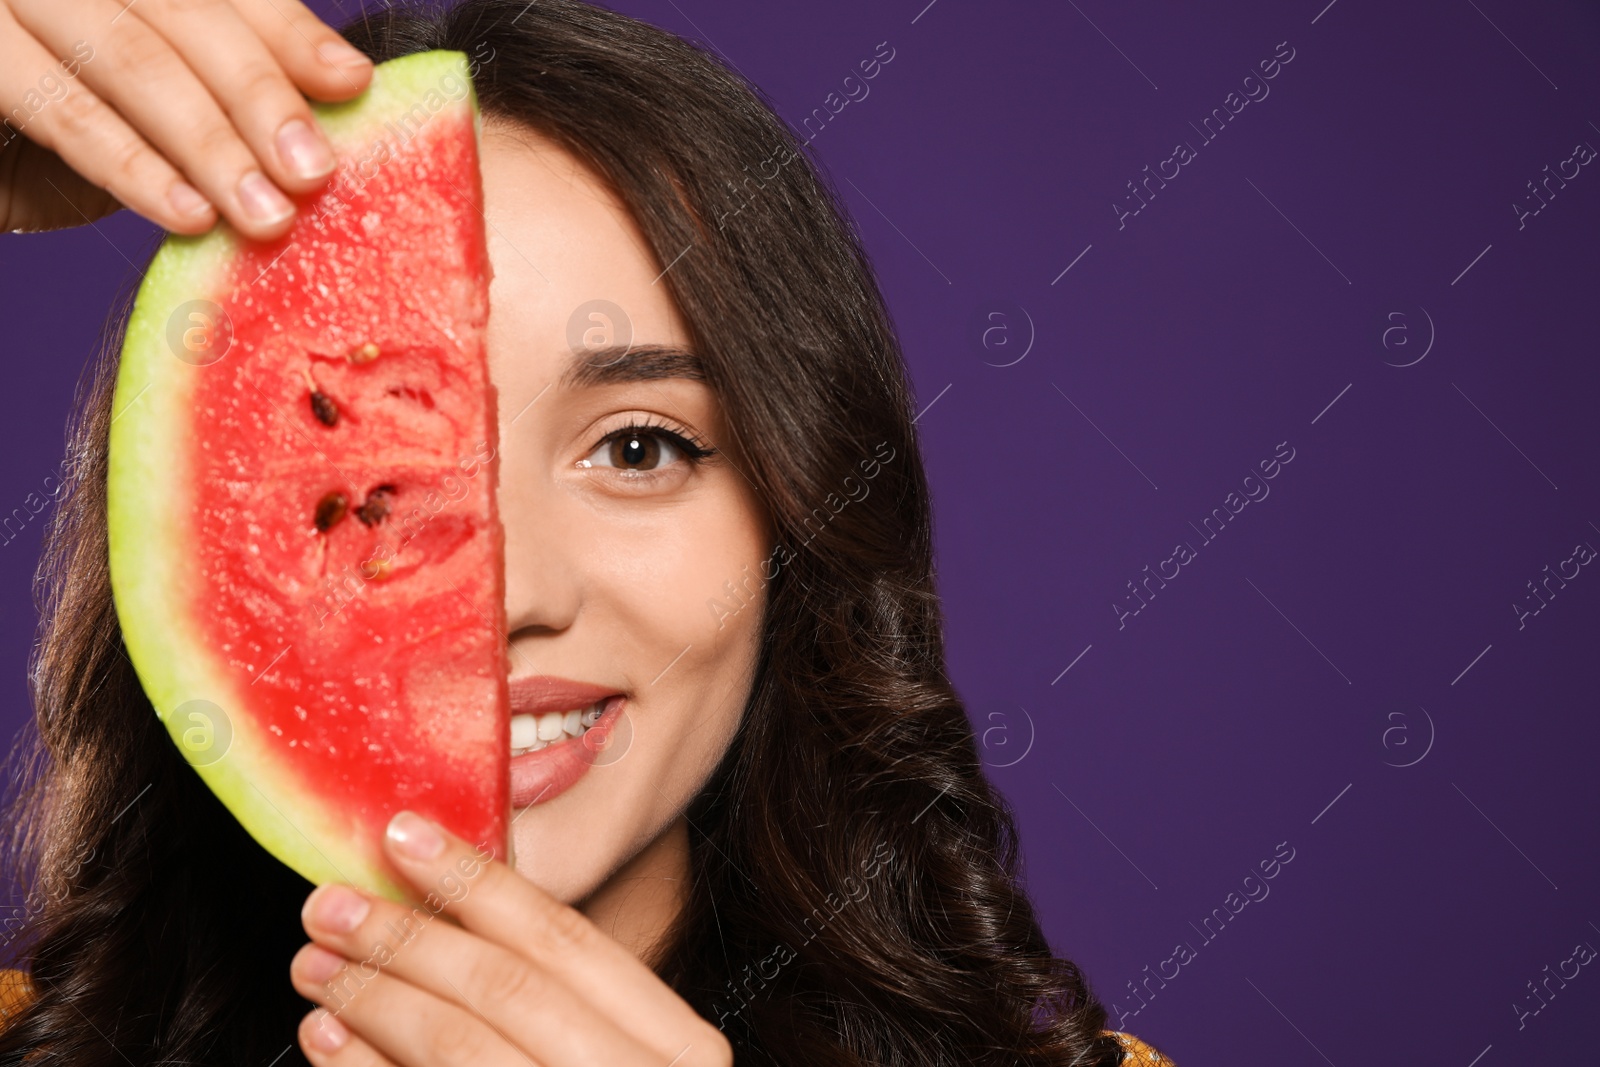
1358, 618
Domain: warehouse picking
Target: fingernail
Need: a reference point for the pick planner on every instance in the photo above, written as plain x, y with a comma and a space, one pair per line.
327, 1033
415, 836
316, 964
261, 199
336, 908
340, 54
302, 151
186, 199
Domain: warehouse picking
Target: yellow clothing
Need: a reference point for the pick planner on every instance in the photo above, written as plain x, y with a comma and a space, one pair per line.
1140, 1054
15, 990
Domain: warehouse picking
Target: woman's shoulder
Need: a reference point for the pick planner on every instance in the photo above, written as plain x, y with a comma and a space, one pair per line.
15, 989
1139, 1054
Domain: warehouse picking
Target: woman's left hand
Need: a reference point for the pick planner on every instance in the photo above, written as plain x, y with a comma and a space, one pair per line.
524, 978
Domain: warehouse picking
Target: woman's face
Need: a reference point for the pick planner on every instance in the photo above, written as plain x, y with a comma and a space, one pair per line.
619, 542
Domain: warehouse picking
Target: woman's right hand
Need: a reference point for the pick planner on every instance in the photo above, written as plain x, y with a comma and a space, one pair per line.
177, 109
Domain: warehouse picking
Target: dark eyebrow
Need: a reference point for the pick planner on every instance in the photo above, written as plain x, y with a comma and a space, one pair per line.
618, 364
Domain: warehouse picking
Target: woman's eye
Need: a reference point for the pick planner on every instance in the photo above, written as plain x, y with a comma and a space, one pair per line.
635, 450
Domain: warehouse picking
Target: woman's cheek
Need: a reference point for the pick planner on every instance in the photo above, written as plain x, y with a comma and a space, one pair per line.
716, 588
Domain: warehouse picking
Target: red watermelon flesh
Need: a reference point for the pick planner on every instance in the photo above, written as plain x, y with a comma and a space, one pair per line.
305, 548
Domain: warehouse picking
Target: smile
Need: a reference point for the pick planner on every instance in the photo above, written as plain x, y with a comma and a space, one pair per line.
530, 733
546, 714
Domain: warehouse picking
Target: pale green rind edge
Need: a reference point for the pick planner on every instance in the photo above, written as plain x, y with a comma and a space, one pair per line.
146, 501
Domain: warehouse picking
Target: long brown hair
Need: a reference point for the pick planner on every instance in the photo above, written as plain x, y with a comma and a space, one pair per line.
855, 896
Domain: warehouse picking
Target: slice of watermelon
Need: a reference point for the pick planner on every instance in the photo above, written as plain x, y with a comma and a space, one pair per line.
305, 550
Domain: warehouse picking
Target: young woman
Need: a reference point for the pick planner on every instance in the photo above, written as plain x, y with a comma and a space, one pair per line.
798, 859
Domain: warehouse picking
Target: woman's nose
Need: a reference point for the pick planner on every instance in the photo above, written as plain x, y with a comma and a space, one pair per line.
544, 577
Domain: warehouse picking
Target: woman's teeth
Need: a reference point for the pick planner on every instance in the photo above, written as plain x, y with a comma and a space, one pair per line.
530, 733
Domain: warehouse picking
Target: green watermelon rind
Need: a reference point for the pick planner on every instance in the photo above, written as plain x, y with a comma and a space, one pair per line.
147, 501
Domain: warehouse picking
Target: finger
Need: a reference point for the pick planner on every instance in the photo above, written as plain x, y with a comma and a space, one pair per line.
503, 907
246, 79
416, 1028
138, 73
88, 136
518, 1000
324, 65
327, 1042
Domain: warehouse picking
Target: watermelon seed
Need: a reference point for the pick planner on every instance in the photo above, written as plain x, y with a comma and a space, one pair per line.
364, 354
323, 407
376, 507
375, 570
331, 509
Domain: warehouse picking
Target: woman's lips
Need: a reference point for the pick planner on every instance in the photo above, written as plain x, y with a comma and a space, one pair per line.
541, 693
541, 776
